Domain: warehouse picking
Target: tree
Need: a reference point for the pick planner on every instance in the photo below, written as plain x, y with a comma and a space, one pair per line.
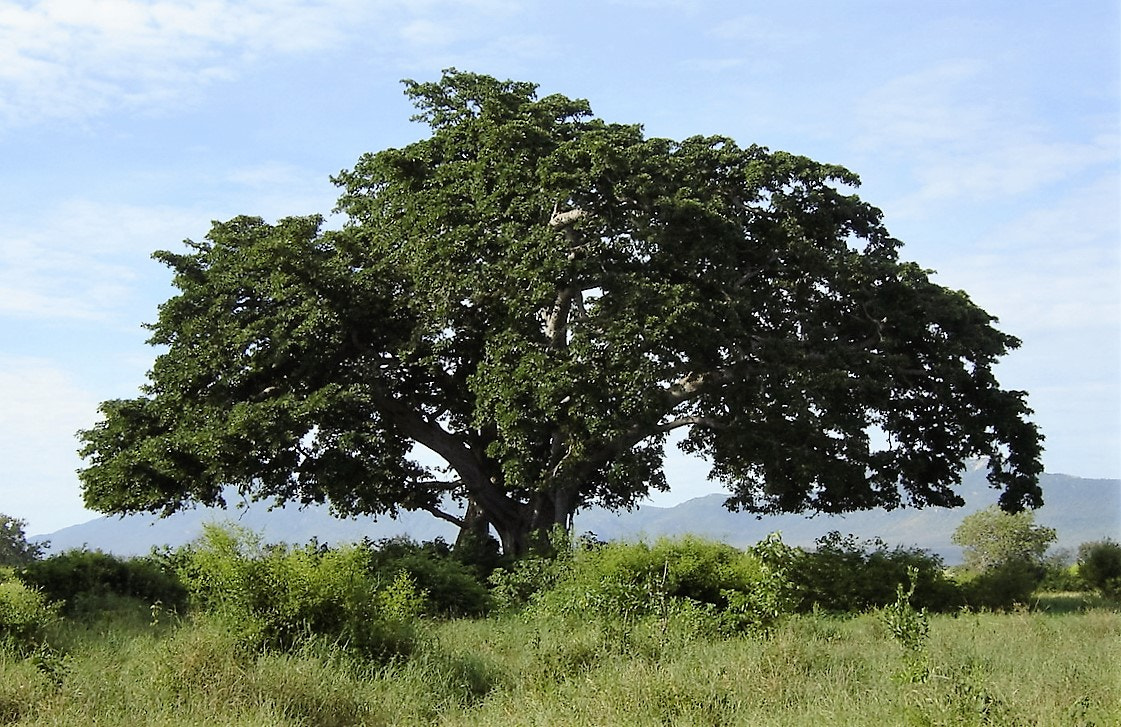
14, 548
992, 538
539, 298
1099, 566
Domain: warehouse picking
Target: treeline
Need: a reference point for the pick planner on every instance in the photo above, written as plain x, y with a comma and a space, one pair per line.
372, 598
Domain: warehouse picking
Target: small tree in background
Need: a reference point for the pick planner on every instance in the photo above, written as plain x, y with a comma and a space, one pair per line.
1004, 554
1099, 566
14, 548
992, 538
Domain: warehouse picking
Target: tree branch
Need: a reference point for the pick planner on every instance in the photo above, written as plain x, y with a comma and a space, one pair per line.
437, 512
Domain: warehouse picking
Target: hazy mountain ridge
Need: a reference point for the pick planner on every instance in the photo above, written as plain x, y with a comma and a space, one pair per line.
1079, 509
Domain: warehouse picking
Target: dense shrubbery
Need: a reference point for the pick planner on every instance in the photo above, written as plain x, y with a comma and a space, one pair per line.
849, 576
83, 579
279, 597
374, 599
712, 585
1002, 586
25, 617
453, 587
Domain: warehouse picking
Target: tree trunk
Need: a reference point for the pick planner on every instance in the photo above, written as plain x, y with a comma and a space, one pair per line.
475, 528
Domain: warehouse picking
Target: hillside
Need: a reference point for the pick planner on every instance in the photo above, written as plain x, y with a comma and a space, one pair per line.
1079, 509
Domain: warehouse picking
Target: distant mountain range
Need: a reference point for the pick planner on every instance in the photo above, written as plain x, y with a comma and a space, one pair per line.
1081, 510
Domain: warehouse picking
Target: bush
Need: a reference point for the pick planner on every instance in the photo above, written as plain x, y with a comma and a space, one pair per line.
845, 575
703, 580
1099, 566
1060, 573
452, 586
25, 617
280, 597
1003, 586
83, 578
513, 587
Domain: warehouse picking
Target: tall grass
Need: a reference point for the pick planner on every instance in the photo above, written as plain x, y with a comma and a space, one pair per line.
675, 633
1024, 668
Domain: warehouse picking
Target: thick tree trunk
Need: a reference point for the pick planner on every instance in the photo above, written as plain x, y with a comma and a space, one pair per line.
475, 528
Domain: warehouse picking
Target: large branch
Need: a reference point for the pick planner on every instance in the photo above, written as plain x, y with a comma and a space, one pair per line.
437, 512
454, 450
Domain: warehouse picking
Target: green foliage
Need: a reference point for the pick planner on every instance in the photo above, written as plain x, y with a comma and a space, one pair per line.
1004, 557
712, 584
1060, 572
82, 579
1001, 587
910, 628
992, 537
26, 615
540, 297
1099, 566
848, 576
14, 548
280, 597
453, 586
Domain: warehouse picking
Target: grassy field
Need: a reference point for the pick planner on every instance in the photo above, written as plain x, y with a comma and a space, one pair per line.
1058, 664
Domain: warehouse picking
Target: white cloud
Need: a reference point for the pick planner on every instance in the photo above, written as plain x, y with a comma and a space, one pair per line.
84, 262
76, 59
1053, 270
967, 140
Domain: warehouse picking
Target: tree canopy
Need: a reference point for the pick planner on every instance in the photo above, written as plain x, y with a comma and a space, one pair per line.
14, 548
991, 538
539, 298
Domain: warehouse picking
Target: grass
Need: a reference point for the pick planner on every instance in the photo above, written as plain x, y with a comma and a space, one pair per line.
1056, 665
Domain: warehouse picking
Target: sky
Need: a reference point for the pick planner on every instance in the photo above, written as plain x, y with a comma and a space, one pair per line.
987, 131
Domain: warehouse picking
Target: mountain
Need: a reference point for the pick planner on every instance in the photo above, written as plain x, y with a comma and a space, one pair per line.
1080, 510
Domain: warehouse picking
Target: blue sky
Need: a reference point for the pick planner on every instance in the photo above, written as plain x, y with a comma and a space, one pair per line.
988, 132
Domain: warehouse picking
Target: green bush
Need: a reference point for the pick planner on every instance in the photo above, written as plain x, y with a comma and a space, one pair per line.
514, 587
453, 586
281, 597
689, 577
1003, 586
1099, 566
845, 575
25, 617
81, 579
1060, 573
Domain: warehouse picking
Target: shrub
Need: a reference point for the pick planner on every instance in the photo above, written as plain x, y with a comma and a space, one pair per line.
846, 575
83, 578
513, 587
1003, 586
1099, 566
1060, 573
452, 586
705, 580
25, 617
282, 596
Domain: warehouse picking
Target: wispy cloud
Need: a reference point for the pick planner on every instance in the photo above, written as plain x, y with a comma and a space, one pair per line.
76, 59
1055, 269
82, 263
967, 139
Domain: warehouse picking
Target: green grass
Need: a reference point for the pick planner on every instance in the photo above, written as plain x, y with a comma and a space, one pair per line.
1059, 666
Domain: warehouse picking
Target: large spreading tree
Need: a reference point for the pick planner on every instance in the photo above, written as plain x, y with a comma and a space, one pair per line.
537, 299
